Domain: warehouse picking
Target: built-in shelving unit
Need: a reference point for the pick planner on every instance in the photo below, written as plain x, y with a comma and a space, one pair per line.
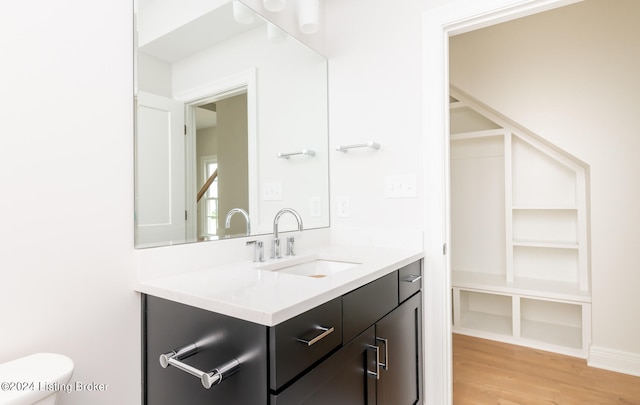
519, 248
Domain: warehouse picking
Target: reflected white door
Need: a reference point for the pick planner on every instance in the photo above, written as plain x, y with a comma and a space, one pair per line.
160, 177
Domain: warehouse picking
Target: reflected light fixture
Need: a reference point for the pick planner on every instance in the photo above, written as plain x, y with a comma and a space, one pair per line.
308, 16
242, 13
274, 5
275, 34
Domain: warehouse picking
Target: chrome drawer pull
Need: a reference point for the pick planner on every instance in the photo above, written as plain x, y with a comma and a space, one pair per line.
385, 365
311, 341
377, 372
412, 279
208, 379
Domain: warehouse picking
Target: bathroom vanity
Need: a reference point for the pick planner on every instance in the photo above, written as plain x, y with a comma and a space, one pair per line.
278, 335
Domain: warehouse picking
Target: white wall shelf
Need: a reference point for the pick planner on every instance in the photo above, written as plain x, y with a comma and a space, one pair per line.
519, 256
542, 244
477, 134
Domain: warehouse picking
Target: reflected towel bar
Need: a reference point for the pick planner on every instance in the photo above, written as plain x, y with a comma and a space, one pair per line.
370, 144
307, 152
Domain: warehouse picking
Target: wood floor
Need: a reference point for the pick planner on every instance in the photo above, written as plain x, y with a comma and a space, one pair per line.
488, 372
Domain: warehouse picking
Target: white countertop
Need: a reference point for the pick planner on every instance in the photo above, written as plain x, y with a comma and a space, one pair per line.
244, 290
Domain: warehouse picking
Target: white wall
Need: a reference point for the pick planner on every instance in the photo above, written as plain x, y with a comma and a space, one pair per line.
571, 76
66, 174
374, 52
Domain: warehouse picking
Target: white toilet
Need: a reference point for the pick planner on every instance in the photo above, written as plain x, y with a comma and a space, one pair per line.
35, 379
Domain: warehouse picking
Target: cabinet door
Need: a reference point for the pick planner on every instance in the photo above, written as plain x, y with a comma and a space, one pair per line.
170, 325
398, 335
343, 378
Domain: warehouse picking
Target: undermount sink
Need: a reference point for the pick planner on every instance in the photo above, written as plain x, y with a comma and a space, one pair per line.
315, 266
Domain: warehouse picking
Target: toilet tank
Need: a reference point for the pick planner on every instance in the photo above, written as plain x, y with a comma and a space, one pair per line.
34, 379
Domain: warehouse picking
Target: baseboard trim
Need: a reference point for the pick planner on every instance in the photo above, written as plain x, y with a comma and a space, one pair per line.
614, 360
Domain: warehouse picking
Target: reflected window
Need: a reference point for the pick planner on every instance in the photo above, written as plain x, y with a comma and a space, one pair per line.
210, 217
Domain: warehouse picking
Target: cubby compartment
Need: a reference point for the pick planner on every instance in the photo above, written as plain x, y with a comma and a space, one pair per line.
486, 312
545, 225
555, 323
546, 263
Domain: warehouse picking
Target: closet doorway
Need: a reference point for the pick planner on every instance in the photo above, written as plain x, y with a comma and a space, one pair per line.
605, 113
531, 230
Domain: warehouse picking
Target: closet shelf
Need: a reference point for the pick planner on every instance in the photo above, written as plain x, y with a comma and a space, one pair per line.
457, 104
478, 134
545, 208
546, 244
528, 287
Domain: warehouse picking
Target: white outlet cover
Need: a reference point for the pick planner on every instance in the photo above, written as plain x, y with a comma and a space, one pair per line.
315, 207
344, 206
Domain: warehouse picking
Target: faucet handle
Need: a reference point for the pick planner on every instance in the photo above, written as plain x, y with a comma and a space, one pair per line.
291, 251
258, 250
275, 248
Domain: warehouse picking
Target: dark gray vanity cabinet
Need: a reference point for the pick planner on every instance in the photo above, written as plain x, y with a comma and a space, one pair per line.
361, 348
380, 361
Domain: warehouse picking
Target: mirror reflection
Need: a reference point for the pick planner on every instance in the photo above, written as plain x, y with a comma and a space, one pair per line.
225, 103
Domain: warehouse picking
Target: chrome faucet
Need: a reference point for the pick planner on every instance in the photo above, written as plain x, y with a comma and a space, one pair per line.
275, 244
244, 213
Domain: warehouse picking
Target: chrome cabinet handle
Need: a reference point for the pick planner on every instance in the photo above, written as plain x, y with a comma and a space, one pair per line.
376, 373
385, 365
313, 340
207, 378
412, 279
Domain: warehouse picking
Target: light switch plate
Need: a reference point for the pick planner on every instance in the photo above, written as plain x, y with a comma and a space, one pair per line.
316, 207
272, 191
400, 186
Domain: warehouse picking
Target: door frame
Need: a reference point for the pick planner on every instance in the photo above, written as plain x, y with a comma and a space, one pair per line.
438, 24
238, 83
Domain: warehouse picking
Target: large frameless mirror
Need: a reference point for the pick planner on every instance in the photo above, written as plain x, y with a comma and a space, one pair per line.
231, 124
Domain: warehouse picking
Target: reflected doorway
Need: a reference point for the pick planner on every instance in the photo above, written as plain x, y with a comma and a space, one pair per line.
221, 165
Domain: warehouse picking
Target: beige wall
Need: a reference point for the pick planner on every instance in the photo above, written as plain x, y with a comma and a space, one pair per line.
233, 171
571, 76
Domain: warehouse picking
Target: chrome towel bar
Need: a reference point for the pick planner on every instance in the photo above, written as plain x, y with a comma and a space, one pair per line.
208, 378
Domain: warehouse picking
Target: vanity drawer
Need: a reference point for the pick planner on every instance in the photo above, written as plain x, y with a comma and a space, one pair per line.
364, 306
409, 280
299, 342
